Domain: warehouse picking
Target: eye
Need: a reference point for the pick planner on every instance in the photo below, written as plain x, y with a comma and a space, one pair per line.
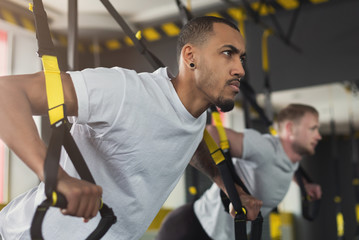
229, 53
243, 59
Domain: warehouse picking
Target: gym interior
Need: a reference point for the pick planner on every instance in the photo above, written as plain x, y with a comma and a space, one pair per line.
301, 51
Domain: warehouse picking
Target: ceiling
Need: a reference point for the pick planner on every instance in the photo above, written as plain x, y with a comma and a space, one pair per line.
93, 18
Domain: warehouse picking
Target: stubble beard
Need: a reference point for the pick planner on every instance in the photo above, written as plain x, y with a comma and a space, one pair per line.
225, 105
301, 150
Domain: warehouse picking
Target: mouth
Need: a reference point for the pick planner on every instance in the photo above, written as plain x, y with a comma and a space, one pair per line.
235, 84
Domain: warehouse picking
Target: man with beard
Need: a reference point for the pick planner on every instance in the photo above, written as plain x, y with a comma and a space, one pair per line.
266, 165
137, 132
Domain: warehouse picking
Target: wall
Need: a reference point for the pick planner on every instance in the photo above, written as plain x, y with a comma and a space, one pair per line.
23, 59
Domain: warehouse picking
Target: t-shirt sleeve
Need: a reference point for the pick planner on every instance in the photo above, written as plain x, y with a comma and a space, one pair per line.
256, 148
100, 95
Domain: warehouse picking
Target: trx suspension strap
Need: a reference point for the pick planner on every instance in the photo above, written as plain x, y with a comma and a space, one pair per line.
151, 58
265, 65
222, 158
337, 198
351, 91
355, 182
310, 207
185, 14
240, 17
60, 134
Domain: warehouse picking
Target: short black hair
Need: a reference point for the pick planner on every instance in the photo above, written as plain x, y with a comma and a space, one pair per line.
198, 29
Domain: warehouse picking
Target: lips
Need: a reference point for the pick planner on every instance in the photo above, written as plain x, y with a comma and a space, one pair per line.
235, 83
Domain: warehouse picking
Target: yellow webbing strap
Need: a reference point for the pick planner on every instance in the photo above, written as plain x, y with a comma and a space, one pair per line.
272, 131
265, 61
223, 140
54, 91
241, 24
340, 224
213, 148
339, 218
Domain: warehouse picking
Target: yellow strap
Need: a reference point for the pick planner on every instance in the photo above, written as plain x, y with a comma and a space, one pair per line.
213, 148
241, 24
54, 198
340, 224
224, 144
189, 6
101, 204
192, 190
357, 212
272, 131
54, 91
265, 61
337, 199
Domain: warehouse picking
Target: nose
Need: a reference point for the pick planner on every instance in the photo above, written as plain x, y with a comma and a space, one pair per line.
238, 69
319, 137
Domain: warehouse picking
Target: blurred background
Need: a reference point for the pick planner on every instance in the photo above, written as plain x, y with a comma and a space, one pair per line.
303, 51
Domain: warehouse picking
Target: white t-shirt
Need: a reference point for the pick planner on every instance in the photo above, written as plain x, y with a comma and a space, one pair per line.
137, 139
266, 171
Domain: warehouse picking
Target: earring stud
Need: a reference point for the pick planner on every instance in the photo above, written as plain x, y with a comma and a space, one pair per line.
191, 65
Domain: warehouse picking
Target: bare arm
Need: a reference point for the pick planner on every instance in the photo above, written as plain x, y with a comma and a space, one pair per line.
22, 96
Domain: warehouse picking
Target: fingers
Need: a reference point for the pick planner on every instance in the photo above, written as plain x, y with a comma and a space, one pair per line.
232, 211
83, 198
314, 191
252, 206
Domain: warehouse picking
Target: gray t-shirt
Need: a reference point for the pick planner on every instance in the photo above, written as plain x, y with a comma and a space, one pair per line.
266, 171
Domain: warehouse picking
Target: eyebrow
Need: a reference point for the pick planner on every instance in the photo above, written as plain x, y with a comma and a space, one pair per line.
235, 50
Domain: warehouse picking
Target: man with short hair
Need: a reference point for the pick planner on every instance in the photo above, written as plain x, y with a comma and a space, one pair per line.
266, 165
137, 132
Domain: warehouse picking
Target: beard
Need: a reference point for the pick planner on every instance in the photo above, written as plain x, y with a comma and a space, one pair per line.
301, 150
225, 105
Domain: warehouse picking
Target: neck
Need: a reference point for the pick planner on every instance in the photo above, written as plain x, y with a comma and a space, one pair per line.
189, 95
292, 155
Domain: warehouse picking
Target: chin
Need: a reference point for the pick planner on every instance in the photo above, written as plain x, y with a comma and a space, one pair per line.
226, 106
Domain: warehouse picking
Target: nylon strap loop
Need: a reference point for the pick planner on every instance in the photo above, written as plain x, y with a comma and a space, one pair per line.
54, 90
213, 148
265, 61
224, 144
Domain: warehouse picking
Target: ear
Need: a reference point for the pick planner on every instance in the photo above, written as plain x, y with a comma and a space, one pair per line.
289, 127
187, 54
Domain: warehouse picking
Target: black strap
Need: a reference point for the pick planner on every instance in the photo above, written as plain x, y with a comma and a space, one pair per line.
310, 207
185, 14
337, 198
230, 177
60, 137
151, 58
355, 164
